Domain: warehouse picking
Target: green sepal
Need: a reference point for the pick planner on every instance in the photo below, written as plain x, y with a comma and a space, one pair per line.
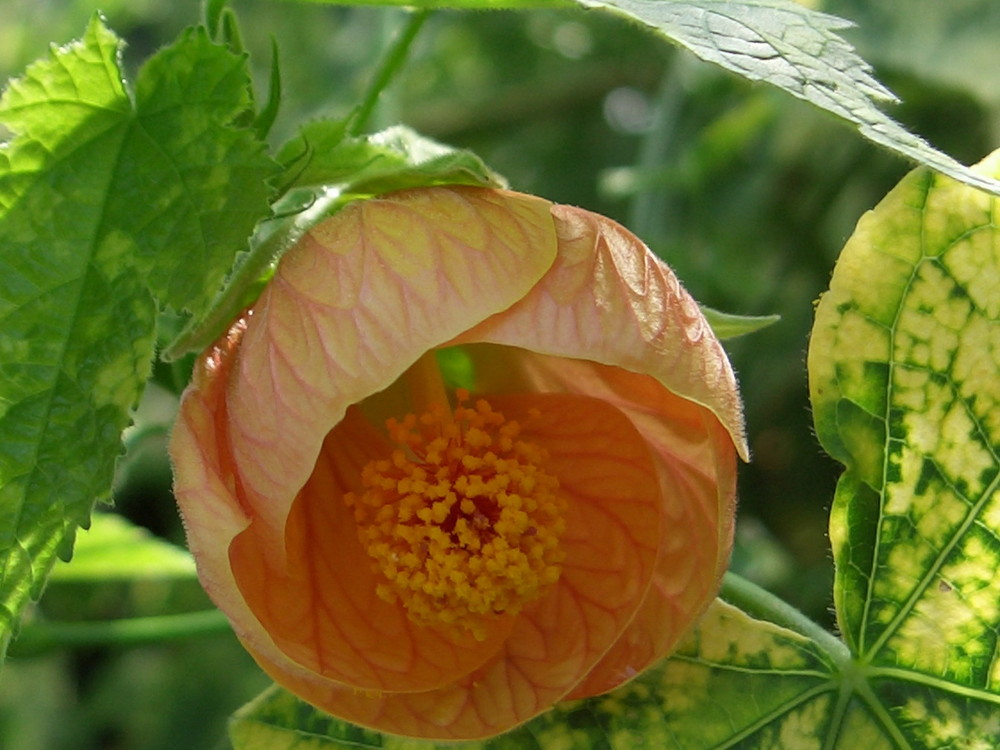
323, 154
730, 326
324, 169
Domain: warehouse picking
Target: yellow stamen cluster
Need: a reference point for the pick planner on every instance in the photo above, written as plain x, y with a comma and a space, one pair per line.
462, 521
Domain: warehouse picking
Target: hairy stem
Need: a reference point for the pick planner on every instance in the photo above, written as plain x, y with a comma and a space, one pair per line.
391, 64
757, 602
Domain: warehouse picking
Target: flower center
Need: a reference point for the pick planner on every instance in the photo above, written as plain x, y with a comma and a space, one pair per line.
462, 521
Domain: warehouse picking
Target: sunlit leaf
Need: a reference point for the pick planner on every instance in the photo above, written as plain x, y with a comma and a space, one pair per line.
106, 204
469, 4
115, 549
780, 42
904, 365
215, 176
795, 49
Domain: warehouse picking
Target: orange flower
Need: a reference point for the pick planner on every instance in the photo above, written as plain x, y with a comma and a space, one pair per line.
448, 564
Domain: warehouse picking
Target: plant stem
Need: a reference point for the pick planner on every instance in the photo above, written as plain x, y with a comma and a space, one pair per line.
391, 64
653, 209
41, 637
755, 601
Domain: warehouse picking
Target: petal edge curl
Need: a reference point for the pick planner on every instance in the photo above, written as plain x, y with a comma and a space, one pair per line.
608, 299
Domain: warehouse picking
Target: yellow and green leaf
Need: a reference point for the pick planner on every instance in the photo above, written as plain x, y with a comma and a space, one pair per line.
905, 382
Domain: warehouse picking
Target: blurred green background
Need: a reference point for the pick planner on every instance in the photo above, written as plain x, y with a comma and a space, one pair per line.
746, 192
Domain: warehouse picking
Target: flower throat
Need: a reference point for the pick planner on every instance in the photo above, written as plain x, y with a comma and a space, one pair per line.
462, 521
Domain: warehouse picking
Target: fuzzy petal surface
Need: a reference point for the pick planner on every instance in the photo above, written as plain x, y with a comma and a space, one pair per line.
617, 325
364, 295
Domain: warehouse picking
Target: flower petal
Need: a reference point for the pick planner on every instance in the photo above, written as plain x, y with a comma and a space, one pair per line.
362, 297
613, 528
318, 603
608, 299
696, 465
693, 557
615, 519
205, 479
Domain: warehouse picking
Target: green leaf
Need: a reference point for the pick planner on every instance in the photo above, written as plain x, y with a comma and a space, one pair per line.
215, 175
76, 327
105, 206
953, 44
730, 326
396, 158
115, 549
904, 364
796, 49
